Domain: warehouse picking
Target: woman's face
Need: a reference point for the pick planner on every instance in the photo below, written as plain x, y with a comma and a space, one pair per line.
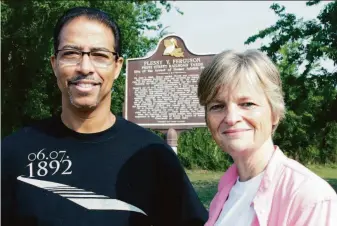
240, 118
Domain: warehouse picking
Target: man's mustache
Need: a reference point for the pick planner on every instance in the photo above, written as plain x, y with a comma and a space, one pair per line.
84, 77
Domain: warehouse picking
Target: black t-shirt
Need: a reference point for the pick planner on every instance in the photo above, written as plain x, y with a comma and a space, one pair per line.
126, 175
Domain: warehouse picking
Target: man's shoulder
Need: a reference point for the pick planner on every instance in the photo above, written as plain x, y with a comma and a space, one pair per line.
145, 138
137, 132
16, 147
28, 133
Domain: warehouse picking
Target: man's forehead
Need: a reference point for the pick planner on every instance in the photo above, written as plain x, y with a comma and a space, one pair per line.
92, 46
82, 47
84, 33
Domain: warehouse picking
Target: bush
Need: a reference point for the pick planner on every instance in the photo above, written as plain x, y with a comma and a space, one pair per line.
197, 149
329, 143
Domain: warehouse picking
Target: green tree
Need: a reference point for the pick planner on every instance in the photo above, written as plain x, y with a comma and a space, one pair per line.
29, 89
197, 149
307, 133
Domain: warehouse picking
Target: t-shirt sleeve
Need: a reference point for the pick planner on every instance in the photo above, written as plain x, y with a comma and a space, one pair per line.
176, 200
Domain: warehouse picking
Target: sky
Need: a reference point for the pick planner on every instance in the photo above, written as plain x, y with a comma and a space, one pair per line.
214, 26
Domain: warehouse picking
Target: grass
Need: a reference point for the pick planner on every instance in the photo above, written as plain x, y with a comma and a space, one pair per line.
328, 173
206, 182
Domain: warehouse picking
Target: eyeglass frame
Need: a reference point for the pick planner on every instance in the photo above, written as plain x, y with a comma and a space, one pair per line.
88, 53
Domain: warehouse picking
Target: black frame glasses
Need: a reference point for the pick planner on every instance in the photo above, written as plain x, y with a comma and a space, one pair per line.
89, 53
83, 52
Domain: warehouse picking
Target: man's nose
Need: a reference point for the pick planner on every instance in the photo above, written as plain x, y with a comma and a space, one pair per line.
85, 66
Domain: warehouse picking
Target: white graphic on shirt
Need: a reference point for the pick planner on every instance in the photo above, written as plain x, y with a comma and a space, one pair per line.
86, 199
45, 162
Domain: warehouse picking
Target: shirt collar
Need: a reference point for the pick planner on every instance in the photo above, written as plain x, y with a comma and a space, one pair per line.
263, 199
231, 174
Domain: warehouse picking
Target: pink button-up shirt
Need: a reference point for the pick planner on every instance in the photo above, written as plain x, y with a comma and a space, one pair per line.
289, 194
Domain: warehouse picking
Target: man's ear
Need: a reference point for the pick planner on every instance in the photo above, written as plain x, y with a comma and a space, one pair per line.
118, 67
53, 64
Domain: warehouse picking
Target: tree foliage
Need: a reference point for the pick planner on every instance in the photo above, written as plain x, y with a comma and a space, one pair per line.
197, 149
317, 38
29, 89
309, 131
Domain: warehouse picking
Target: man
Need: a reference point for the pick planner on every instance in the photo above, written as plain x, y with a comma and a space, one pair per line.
88, 166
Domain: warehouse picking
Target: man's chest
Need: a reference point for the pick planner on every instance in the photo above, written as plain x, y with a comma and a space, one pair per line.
64, 184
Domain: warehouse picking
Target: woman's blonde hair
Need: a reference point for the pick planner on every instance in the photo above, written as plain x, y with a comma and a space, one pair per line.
228, 67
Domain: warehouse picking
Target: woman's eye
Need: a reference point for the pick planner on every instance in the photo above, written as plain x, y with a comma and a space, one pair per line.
216, 107
247, 104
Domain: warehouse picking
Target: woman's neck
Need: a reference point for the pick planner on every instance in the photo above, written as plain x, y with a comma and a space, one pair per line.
254, 163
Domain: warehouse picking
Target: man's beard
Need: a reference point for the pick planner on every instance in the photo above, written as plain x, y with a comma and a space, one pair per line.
80, 106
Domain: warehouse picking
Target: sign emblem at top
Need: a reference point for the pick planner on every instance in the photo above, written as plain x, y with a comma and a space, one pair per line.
172, 48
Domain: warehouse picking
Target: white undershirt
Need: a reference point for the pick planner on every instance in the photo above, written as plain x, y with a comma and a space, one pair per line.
237, 210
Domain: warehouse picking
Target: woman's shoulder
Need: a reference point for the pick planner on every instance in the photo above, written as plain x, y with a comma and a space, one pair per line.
308, 187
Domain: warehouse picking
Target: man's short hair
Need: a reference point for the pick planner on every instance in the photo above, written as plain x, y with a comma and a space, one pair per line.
90, 14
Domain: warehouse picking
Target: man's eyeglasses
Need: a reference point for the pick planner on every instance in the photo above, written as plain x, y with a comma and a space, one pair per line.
99, 58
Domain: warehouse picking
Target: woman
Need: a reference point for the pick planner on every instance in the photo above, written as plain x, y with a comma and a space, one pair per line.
243, 100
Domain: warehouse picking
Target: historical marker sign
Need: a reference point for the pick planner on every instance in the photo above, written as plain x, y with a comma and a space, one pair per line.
161, 91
